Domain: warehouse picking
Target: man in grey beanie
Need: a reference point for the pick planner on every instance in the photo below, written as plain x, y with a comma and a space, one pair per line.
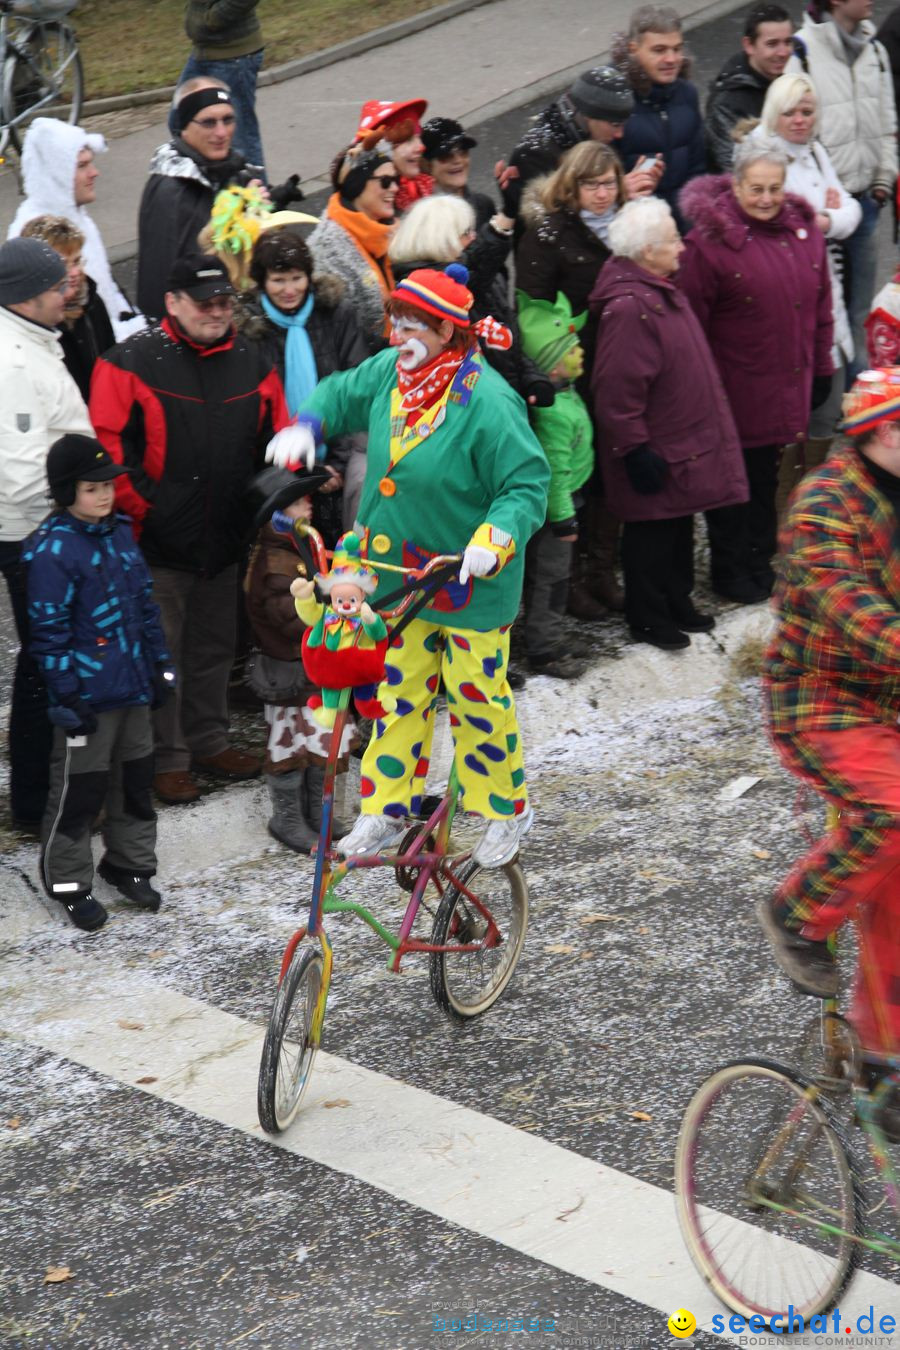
595, 107
39, 402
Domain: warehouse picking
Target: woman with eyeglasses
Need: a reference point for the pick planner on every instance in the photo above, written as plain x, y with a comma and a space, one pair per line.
565, 243
351, 240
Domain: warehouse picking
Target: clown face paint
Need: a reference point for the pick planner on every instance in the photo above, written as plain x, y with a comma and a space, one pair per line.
346, 598
411, 338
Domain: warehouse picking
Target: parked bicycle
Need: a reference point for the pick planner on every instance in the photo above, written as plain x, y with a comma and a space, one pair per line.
478, 916
768, 1188
40, 66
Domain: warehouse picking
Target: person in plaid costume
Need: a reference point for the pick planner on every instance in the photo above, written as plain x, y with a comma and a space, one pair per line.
832, 686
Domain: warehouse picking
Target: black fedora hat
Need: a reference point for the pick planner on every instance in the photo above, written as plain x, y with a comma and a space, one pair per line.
272, 489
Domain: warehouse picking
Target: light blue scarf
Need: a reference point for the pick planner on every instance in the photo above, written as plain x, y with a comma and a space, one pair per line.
300, 374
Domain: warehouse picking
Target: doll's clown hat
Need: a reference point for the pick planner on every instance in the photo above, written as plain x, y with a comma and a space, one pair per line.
874, 398
348, 566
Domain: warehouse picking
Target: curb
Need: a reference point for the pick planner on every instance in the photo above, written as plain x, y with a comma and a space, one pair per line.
304, 65
230, 825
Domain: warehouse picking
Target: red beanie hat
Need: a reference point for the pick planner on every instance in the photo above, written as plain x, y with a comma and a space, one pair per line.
442, 294
874, 398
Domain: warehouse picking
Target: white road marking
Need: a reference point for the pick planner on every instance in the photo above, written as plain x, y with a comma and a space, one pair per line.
509, 1186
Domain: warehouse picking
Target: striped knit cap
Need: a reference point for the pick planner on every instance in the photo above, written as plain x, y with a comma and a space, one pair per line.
442, 294
874, 398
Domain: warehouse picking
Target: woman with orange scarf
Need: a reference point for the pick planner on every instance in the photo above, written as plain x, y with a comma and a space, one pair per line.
352, 237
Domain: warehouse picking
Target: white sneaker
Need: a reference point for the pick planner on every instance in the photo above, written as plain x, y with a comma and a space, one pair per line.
370, 835
500, 842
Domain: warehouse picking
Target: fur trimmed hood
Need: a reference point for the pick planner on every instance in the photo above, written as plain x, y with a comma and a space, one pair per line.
532, 211
250, 320
709, 202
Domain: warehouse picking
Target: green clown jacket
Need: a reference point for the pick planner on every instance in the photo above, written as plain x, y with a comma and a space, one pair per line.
482, 464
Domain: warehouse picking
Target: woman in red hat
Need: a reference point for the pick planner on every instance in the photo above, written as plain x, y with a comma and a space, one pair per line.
453, 467
400, 126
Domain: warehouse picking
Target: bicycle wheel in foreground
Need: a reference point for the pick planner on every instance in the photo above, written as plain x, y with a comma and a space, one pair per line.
47, 82
288, 1050
468, 984
766, 1192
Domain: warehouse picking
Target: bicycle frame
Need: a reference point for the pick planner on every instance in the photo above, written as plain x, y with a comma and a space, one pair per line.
16, 35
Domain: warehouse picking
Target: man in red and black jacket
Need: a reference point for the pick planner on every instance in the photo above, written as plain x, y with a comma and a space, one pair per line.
188, 407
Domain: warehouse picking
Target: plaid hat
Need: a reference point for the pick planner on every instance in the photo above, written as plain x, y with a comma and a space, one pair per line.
28, 267
442, 135
442, 294
201, 276
604, 94
874, 398
78, 459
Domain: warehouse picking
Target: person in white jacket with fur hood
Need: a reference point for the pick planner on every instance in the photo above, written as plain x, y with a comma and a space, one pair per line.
837, 47
790, 121
59, 175
39, 402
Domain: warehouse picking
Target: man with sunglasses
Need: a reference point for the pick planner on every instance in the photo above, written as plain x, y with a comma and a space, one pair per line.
189, 407
185, 175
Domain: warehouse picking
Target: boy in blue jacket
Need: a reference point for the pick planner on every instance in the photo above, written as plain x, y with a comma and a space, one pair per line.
97, 639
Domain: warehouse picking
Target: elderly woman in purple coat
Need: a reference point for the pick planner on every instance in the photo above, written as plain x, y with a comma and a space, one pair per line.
667, 442
756, 274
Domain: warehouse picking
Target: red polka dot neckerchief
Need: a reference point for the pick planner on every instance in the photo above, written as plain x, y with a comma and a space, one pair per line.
421, 388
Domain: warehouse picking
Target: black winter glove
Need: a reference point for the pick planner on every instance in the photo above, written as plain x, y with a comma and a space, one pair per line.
164, 680
286, 192
646, 470
511, 197
75, 717
540, 390
821, 388
563, 528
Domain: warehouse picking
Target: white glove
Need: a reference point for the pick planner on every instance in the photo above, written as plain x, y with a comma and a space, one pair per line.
292, 447
477, 562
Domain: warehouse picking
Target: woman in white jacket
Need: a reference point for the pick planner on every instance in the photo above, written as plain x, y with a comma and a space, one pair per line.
790, 120
59, 176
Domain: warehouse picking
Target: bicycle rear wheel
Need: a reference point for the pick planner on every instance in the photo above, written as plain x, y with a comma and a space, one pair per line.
289, 1050
766, 1192
50, 83
466, 985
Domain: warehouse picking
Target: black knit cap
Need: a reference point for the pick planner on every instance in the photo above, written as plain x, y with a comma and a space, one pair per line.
78, 459
442, 135
602, 94
352, 170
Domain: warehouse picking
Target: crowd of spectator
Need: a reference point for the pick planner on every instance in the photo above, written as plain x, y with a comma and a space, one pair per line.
683, 297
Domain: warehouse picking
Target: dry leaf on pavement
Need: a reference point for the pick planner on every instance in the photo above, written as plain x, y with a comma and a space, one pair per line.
339, 1101
14, 1123
599, 918
149, 1078
559, 948
57, 1275
129, 1026
761, 853
640, 1115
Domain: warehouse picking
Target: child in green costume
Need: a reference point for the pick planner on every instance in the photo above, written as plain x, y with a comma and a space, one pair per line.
549, 333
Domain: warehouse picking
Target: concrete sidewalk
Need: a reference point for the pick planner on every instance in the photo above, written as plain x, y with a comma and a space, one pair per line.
473, 66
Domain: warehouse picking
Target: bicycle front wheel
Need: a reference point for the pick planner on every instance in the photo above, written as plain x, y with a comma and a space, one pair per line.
47, 82
289, 1049
469, 983
766, 1192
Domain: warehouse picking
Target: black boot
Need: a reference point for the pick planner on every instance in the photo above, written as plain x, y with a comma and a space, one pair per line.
134, 886
288, 824
313, 784
808, 963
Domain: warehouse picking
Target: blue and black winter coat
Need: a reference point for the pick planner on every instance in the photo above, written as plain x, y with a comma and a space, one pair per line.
95, 630
666, 121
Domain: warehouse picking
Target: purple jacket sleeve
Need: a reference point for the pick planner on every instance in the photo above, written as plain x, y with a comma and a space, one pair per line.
625, 364
696, 279
822, 362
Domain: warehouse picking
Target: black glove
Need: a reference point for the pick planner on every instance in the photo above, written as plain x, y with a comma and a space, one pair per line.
511, 198
286, 192
646, 470
75, 717
821, 388
564, 528
541, 390
164, 680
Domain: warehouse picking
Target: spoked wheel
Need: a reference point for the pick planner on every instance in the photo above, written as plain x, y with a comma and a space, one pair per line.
766, 1192
289, 1050
467, 984
50, 83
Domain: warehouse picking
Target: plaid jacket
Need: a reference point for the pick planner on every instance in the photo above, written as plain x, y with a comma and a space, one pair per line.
834, 661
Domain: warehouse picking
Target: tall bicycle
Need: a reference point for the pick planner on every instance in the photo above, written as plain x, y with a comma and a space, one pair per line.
40, 66
479, 916
768, 1190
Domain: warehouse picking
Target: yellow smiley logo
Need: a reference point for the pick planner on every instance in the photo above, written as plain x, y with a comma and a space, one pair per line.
682, 1323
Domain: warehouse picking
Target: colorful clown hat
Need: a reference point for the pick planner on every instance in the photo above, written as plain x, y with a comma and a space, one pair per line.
348, 565
442, 294
874, 398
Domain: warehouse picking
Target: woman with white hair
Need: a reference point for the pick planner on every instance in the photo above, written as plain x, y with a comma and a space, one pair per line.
668, 446
441, 229
756, 274
790, 121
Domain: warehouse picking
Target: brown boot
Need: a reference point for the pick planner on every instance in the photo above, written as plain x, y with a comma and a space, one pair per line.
602, 531
580, 603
